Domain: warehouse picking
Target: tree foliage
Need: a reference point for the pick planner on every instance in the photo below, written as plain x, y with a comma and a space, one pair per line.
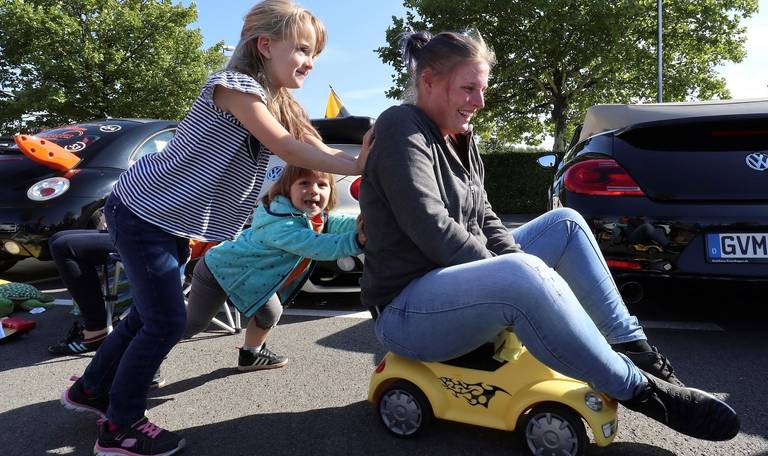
73, 60
558, 57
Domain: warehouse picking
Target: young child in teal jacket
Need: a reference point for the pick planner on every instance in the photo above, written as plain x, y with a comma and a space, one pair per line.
267, 264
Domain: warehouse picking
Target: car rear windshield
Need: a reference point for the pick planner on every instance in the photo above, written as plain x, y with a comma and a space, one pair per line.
704, 136
74, 138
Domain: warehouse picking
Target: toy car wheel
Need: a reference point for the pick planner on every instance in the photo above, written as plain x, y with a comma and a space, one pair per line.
553, 429
404, 410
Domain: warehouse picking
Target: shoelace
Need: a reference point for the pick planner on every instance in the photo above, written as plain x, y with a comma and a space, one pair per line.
267, 352
664, 366
151, 430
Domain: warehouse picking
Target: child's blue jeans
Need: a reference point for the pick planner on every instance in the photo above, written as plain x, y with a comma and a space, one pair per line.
127, 360
559, 296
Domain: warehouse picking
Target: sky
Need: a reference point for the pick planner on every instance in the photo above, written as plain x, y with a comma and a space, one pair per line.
351, 66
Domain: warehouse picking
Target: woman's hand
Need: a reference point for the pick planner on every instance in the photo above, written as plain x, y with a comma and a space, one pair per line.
361, 239
365, 149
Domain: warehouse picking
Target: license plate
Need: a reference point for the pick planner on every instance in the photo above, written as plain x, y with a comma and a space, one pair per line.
737, 247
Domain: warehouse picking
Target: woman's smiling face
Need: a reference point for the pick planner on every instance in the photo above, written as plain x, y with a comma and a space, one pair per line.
451, 100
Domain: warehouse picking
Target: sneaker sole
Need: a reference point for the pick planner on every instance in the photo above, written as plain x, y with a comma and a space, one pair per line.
79, 408
101, 451
261, 367
70, 352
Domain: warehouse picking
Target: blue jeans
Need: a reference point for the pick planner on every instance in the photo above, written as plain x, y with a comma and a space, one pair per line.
127, 360
559, 297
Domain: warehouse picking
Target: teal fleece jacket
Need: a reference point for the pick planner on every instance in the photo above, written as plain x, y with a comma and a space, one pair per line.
255, 265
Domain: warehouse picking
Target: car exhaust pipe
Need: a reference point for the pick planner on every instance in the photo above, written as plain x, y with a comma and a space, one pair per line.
632, 292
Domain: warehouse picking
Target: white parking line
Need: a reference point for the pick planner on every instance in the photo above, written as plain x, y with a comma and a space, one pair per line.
364, 315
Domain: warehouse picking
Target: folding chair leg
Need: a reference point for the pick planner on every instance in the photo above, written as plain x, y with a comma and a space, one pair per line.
229, 326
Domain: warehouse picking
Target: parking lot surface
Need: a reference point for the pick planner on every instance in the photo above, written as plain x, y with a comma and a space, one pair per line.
317, 404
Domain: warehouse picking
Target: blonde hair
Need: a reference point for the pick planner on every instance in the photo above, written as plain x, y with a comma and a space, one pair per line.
293, 173
279, 20
441, 53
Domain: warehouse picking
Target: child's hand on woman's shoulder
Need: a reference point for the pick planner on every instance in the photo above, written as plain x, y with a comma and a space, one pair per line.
365, 148
361, 239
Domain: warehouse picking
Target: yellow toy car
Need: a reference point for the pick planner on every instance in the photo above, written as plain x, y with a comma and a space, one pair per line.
501, 386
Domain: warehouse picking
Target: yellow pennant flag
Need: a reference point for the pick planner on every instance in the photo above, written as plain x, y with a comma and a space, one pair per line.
335, 107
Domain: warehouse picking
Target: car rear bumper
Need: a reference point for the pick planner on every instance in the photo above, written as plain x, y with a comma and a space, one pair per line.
27, 229
639, 237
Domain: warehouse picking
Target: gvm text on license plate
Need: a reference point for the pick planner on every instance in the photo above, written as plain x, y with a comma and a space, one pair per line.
737, 247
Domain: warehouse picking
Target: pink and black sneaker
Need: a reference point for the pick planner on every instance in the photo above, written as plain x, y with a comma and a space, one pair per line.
142, 438
78, 399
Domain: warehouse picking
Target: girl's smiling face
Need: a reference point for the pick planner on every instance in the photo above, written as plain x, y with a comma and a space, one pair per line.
310, 194
289, 62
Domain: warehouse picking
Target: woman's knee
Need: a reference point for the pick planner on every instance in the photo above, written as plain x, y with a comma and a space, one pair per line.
566, 214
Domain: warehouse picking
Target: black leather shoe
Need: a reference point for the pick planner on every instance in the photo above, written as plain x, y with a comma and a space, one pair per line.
686, 410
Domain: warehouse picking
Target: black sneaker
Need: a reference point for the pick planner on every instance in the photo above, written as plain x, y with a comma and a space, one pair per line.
686, 410
655, 364
264, 359
75, 343
142, 438
75, 398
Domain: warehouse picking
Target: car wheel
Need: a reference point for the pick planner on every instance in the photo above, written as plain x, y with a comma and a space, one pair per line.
7, 264
404, 410
553, 429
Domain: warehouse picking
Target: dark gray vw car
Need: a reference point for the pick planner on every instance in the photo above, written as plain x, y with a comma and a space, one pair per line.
672, 190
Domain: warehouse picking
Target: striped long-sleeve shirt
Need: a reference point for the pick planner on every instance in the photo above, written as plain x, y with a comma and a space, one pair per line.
206, 182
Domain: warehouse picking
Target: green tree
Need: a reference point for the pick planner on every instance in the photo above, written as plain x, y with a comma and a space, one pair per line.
558, 57
83, 59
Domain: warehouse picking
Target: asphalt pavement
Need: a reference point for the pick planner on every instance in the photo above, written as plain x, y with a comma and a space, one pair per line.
316, 405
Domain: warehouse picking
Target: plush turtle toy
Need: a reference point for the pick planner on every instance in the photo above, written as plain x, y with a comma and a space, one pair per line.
20, 296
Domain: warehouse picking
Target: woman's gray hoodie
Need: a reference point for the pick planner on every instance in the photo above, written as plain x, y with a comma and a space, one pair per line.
423, 209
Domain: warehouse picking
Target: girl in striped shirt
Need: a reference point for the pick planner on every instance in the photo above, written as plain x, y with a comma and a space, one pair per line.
202, 186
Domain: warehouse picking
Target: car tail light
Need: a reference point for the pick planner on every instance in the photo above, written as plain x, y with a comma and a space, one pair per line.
381, 366
619, 264
48, 189
354, 188
600, 177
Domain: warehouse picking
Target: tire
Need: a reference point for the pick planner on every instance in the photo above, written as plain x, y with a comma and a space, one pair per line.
552, 429
404, 410
7, 264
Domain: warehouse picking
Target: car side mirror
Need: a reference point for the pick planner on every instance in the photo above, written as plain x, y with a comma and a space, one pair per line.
547, 161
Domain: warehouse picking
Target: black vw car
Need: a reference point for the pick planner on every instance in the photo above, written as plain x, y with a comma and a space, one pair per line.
37, 200
671, 190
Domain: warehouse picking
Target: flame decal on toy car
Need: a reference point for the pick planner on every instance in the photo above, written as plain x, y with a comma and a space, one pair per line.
474, 394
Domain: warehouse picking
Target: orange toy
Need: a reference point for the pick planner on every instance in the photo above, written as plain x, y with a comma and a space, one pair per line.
46, 152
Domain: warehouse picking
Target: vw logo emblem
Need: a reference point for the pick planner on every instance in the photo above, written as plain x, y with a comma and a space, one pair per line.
758, 161
76, 147
274, 172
